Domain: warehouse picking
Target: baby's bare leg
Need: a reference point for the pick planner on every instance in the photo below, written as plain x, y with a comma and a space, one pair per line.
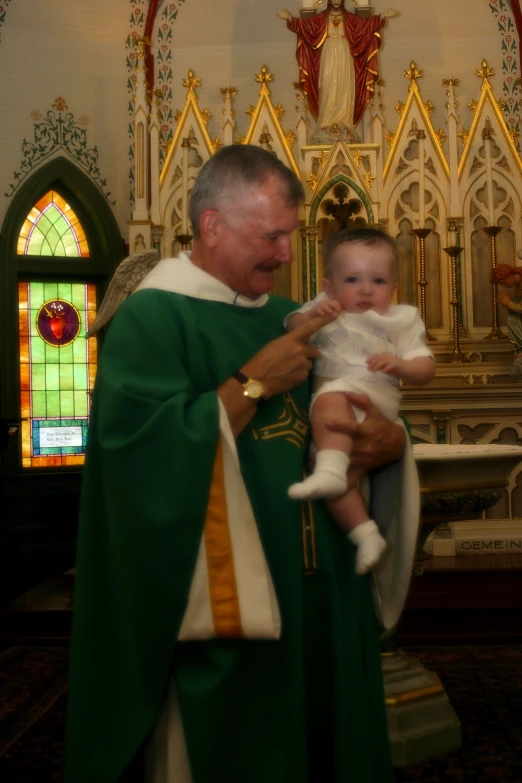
350, 513
333, 451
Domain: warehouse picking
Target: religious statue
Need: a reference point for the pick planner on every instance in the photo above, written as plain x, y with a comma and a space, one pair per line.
337, 57
511, 277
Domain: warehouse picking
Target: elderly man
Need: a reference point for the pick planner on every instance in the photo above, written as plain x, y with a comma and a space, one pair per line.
208, 656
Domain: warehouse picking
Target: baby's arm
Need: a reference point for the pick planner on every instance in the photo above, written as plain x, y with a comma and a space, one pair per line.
417, 371
326, 307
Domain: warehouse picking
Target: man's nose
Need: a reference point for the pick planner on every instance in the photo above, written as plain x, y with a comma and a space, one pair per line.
284, 250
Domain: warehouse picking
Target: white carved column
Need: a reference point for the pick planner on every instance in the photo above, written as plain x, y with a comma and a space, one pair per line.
455, 205
154, 131
141, 133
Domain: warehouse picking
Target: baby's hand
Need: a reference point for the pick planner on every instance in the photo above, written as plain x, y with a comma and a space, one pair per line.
386, 363
328, 307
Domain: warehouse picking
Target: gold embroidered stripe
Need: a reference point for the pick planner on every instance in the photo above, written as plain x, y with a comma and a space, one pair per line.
220, 560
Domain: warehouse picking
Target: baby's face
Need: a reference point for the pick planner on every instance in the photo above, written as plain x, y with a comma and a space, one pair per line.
362, 277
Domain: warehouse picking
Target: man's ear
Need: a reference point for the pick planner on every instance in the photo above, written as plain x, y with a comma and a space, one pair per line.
327, 288
209, 223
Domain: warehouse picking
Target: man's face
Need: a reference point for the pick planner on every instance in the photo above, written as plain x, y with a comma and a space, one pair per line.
254, 238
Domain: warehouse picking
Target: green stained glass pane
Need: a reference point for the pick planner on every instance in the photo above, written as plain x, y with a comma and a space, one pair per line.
66, 377
69, 245
36, 292
38, 377
52, 377
36, 243
37, 350
59, 222
78, 297
53, 403
80, 403
53, 238
50, 292
67, 403
64, 291
44, 222
80, 377
80, 350
52, 354
39, 404
66, 354
34, 328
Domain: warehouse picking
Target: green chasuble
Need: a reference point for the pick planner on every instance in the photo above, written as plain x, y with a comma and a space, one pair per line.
307, 708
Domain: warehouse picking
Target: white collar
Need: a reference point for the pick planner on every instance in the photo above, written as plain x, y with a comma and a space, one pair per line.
181, 276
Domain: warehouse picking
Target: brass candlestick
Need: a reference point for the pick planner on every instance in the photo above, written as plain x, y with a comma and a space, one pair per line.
457, 356
184, 240
496, 332
421, 234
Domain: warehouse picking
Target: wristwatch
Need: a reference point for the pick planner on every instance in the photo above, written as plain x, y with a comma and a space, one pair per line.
251, 388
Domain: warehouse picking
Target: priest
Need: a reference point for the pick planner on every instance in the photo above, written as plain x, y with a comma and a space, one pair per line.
221, 632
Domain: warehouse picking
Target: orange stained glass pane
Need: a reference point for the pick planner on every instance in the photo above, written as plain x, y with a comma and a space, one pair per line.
46, 462
26, 462
26, 437
24, 377
23, 326
24, 350
73, 459
23, 294
91, 297
92, 376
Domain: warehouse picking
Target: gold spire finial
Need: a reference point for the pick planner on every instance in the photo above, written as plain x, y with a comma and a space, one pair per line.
484, 71
265, 76
413, 73
192, 80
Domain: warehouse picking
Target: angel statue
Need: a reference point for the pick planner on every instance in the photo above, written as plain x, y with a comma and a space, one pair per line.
126, 279
337, 57
511, 277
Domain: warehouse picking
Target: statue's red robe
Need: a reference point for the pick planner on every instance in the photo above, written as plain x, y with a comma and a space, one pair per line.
364, 41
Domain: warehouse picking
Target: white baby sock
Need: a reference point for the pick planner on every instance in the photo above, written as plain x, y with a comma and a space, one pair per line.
370, 545
328, 479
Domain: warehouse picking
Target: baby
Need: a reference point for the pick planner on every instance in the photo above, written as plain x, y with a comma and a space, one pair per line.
369, 347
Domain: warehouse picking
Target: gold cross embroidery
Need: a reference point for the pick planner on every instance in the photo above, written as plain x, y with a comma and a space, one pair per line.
293, 424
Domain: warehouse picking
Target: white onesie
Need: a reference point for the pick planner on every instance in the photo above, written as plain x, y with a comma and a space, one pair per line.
352, 338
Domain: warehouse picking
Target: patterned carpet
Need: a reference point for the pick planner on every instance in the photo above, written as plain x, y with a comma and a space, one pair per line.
484, 684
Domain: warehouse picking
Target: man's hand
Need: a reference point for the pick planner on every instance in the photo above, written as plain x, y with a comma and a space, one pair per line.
286, 362
284, 14
391, 13
327, 307
376, 441
387, 363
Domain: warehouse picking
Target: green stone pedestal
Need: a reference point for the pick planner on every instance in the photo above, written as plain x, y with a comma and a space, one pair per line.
422, 723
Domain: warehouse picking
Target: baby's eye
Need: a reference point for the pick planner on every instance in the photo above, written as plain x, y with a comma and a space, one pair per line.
351, 279
379, 281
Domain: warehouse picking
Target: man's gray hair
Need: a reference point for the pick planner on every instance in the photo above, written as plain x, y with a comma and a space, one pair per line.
235, 167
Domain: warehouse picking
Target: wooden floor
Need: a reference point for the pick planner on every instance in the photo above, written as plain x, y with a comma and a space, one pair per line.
458, 600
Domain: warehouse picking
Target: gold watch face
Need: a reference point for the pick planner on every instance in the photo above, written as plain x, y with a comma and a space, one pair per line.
253, 389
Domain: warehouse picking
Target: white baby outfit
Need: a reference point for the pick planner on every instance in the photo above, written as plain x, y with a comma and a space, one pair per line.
352, 338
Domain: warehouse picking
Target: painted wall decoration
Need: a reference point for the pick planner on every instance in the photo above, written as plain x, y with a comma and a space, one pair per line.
3, 12
57, 371
59, 130
504, 14
166, 14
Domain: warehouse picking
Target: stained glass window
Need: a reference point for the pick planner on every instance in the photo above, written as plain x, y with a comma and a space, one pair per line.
57, 370
52, 229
